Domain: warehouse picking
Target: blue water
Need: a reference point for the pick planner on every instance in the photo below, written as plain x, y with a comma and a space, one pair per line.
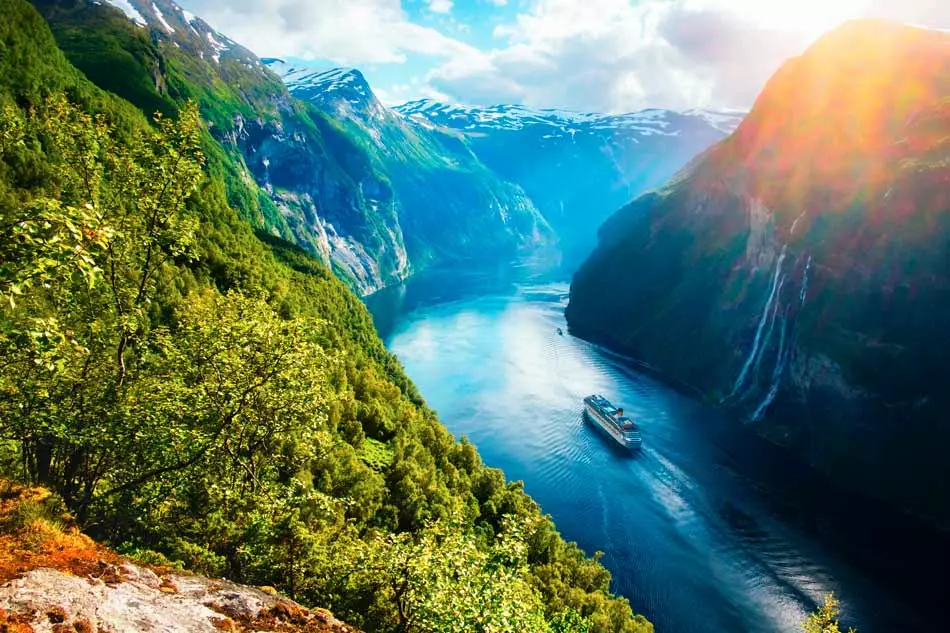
695, 529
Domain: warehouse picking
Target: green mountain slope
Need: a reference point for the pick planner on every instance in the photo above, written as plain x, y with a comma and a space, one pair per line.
205, 395
798, 271
318, 188
451, 206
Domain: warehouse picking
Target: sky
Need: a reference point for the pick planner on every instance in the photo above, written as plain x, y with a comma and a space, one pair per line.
589, 55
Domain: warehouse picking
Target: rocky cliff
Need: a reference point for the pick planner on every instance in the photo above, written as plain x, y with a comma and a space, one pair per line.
798, 272
450, 205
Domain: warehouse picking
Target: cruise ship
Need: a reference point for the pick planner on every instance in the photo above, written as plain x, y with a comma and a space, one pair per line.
612, 421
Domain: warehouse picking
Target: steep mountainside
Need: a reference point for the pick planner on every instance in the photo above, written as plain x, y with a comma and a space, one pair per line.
799, 271
318, 188
579, 168
449, 204
200, 394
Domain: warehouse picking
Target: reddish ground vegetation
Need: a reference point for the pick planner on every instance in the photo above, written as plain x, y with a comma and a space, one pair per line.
31, 539
282, 617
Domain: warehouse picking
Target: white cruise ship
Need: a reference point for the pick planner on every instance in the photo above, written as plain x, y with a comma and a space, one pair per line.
612, 421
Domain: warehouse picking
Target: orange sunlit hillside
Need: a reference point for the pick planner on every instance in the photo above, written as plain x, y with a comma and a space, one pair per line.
823, 131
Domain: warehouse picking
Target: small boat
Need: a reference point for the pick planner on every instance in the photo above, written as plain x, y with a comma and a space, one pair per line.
611, 420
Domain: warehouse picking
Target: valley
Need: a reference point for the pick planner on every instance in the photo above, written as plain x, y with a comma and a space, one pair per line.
317, 319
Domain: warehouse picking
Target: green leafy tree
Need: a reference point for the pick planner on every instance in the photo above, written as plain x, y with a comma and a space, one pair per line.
443, 580
80, 261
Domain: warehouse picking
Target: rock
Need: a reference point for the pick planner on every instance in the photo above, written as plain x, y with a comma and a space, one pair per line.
47, 600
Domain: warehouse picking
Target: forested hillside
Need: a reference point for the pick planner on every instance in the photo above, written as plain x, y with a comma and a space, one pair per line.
201, 393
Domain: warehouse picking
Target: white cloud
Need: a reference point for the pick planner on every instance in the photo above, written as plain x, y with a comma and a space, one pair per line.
351, 32
440, 6
620, 55
416, 88
607, 55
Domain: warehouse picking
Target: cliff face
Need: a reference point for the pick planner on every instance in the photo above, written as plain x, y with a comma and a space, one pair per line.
798, 272
450, 205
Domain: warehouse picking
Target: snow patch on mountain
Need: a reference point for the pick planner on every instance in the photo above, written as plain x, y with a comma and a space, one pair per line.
724, 120
296, 77
131, 12
189, 19
217, 46
161, 19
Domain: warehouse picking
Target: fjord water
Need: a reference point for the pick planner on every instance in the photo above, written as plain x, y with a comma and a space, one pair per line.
706, 529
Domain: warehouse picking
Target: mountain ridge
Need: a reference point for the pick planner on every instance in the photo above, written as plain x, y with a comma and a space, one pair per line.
578, 168
451, 206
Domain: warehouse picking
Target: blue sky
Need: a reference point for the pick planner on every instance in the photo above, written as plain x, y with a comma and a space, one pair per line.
469, 21
589, 55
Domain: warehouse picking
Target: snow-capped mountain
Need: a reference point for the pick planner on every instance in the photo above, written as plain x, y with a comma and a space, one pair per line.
450, 204
515, 117
184, 28
578, 168
342, 91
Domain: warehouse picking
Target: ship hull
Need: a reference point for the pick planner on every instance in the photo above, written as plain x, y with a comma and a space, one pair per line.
595, 418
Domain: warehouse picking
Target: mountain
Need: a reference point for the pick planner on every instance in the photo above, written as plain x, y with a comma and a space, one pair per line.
450, 205
799, 271
203, 395
373, 195
578, 168
317, 188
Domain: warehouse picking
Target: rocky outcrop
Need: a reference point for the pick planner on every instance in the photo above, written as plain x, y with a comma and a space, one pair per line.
797, 272
334, 201
129, 598
54, 579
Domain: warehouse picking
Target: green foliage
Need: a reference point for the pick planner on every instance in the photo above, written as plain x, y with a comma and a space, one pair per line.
442, 580
216, 399
825, 618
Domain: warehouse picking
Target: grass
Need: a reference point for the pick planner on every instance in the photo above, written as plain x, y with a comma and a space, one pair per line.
36, 532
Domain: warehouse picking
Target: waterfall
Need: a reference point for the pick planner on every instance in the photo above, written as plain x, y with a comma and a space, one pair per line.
804, 292
781, 359
768, 334
740, 381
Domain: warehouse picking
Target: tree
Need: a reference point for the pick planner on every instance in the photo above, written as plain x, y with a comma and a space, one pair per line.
825, 617
80, 258
444, 580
